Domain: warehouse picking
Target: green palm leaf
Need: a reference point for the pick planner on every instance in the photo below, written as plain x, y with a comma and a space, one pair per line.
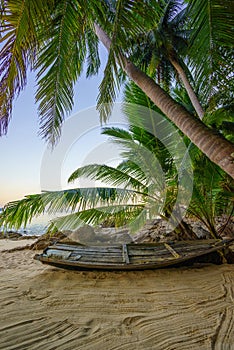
20, 213
60, 61
108, 174
212, 192
19, 25
134, 171
120, 214
93, 60
128, 20
51, 37
212, 28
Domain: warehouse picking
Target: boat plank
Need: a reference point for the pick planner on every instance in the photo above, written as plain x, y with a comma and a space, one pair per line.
87, 248
97, 253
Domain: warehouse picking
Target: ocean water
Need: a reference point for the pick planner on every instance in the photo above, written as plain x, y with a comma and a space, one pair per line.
32, 230
29, 230
37, 227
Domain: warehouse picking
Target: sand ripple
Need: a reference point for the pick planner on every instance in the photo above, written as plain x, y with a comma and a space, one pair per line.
51, 309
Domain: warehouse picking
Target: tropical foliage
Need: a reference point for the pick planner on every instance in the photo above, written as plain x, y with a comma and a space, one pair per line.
135, 194
189, 40
211, 24
54, 38
143, 186
163, 50
212, 193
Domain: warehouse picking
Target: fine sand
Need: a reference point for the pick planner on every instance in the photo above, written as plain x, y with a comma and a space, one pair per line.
178, 308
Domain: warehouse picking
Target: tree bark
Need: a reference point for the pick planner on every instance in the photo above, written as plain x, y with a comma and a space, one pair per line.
193, 97
212, 144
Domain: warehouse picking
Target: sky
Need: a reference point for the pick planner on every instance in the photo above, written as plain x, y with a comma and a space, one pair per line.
23, 152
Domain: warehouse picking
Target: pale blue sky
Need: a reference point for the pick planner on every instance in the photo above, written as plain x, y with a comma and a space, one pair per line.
22, 149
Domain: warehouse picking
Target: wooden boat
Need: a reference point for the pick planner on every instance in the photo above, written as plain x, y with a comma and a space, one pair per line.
127, 256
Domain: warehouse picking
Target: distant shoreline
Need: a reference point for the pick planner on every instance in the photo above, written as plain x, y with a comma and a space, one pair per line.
30, 230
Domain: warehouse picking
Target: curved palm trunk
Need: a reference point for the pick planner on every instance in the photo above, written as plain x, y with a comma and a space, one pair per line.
193, 97
213, 145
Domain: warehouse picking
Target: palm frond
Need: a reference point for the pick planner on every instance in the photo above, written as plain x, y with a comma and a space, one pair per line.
222, 119
128, 20
181, 96
152, 129
120, 214
133, 95
154, 50
172, 9
20, 213
147, 161
60, 62
93, 60
117, 133
212, 28
110, 83
212, 191
140, 147
19, 33
108, 174
134, 170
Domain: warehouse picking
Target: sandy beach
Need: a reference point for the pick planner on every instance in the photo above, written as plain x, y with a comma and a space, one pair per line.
48, 308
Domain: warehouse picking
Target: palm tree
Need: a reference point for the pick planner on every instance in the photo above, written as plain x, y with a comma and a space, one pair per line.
54, 37
211, 50
143, 185
139, 189
131, 197
163, 46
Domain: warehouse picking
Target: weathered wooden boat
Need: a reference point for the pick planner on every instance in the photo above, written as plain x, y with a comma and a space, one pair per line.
128, 256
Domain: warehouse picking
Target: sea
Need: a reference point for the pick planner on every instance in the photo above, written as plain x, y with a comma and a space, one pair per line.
37, 227
32, 229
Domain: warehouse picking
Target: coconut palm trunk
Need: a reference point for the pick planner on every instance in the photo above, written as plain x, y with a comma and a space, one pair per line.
193, 97
213, 145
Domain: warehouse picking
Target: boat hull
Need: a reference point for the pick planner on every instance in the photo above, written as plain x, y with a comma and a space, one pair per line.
127, 256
